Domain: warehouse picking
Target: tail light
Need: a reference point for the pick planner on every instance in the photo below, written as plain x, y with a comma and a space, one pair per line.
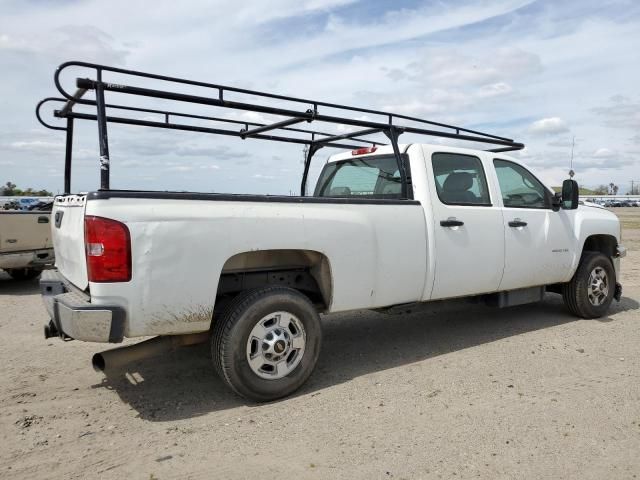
108, 250
363, 151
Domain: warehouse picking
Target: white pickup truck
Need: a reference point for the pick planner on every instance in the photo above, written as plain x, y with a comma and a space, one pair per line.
385, 225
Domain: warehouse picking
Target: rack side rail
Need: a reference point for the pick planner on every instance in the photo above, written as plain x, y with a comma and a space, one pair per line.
291, 111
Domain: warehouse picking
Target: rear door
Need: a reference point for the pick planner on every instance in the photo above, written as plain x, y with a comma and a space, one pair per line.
469, 231
538, 241
385, 240
67, 227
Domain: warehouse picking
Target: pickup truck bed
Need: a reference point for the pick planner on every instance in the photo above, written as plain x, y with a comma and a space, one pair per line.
235, 235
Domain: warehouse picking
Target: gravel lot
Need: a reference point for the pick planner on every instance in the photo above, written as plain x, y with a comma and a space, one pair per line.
455, 391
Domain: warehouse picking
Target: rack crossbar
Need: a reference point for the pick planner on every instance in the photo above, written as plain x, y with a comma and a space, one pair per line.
273, 126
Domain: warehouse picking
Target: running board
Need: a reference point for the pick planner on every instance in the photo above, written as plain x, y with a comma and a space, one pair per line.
511, 298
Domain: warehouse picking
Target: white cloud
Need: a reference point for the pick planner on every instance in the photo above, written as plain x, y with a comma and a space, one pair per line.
621, 112
262, 12
548, 126
604, 153
181, 168
494, 90
445, 67
561, 142
86, 42
35, 146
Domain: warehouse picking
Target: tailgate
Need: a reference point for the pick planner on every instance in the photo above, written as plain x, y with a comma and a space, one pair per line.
67, 226
24, 231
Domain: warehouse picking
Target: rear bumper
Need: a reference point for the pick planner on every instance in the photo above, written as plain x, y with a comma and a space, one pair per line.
73, 316
27, 259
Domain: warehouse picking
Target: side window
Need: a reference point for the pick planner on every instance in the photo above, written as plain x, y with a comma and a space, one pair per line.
520, 189
460, 179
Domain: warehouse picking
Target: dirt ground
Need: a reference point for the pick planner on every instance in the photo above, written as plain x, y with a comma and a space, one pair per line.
456, 391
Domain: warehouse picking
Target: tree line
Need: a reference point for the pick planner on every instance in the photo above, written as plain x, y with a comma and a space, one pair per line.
10, 189
613, 189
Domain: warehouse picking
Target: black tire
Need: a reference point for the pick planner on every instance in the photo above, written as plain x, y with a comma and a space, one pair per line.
24, 273
230, 337
576, 293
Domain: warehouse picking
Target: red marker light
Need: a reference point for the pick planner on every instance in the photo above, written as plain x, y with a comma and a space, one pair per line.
363, 151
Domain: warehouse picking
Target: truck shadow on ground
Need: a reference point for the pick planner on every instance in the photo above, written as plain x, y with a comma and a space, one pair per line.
9, 286
183, 384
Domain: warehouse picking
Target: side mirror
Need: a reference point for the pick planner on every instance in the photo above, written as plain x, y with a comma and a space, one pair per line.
570, 193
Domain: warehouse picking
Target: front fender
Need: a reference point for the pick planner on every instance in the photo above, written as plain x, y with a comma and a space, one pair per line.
596, 229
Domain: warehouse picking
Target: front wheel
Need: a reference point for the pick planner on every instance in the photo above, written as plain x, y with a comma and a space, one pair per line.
266, 343
591, 290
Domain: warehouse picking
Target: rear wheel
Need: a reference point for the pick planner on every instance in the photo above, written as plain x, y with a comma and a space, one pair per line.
590, 291
266, 343
24, 273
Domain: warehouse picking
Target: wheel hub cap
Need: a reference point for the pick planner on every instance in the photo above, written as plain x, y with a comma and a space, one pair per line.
276, 345
598, 290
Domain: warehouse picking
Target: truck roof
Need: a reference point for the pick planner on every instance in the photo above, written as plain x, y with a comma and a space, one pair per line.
388, 149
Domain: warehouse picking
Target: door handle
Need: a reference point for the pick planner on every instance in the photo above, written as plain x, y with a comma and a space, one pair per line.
451, 222
43, 219
516, 222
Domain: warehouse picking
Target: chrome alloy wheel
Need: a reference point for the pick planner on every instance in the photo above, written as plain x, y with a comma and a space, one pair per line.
276, 345
598, 289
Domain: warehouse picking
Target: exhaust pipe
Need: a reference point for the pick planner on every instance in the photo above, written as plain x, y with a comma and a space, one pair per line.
50, 330
117, 357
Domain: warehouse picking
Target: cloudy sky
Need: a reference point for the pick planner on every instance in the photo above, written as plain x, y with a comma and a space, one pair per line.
541, 72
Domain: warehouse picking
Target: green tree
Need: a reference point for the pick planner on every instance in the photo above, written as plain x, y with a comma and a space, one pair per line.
10, 189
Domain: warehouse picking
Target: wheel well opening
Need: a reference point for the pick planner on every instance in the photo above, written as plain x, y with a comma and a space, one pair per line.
308, 271
605, 244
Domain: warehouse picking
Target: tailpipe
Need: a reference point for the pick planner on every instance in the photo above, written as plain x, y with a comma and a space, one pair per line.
51, 330
117, 357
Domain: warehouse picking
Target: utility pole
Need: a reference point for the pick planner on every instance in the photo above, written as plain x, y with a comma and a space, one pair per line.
573, 144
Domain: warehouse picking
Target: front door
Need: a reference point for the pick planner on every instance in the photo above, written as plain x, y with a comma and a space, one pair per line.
469, 231
537, 240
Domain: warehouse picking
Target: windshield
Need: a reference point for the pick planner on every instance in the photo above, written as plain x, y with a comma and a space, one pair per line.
368, 177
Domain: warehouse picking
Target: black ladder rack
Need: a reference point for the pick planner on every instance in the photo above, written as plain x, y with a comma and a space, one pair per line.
299, 111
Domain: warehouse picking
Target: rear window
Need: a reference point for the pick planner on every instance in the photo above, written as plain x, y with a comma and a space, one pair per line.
366, 177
